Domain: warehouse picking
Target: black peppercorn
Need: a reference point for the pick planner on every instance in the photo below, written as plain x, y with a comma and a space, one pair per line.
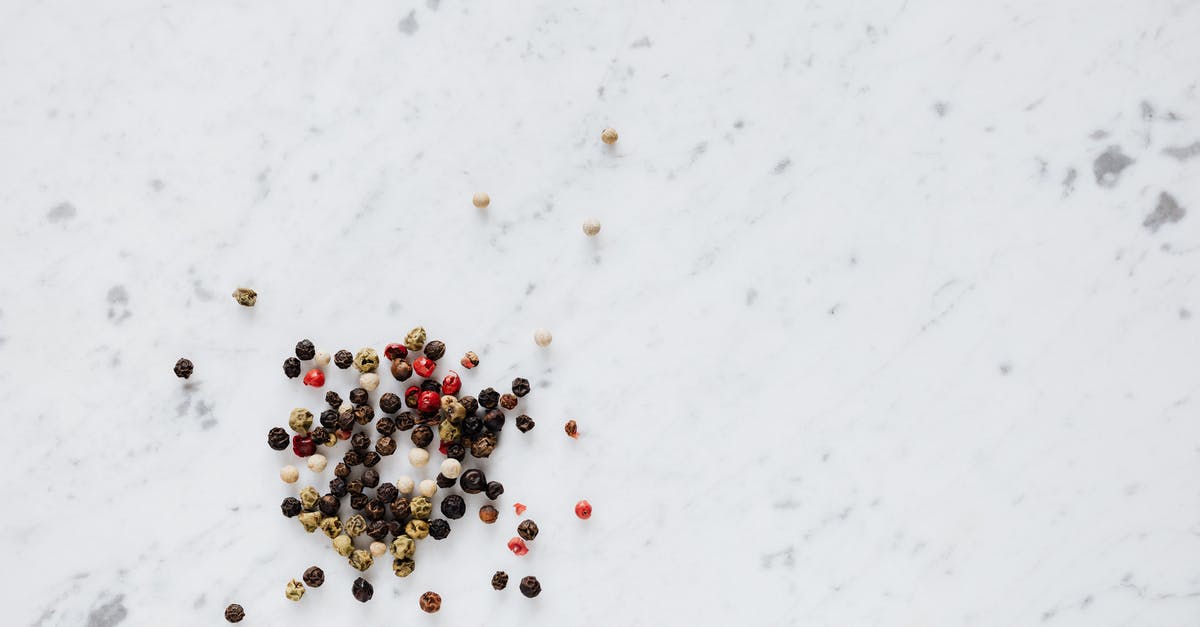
431, 385
183, 368
314, 577
291, 507
530, 587
370, 458
472, 481
493, 420
400, 508
234, 613
377, 529
488, 514
345, 419
305, 349
355, 486
489, 398
395, 528
362, 589
500, 580
472, 426
387, 491
453, 506
421, 436
370, 478
358, 396
333, 399
494, 490
358, 501
390, 403
319, 435
469, 403
405, 421
337, 487
439, 529
343, 359
527, 529
278, 438
385, 446
435, 349
520, 386
508, 401
483, 445
401, 370
385, 426
342, 470
524, 423
375, 509
444, 482
329, 419
360, 440
352, 458
291, 367
456, 451
363, 414
329, 505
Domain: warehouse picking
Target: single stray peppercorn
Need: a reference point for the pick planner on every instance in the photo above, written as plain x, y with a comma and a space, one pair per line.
494, 490
572, 429
520, 386
530, 587
528, 530
524, 423
245, 296
472, 481
362, 590
469, 360
305, 349
487, 514
453, 506
431, 602
291, 367
608, 136
314, 577
314, 378
439, 529
183, 368
500, 580
343, 359
519, 508
517, 546
583, 509
294, 590
234, 613
277, 438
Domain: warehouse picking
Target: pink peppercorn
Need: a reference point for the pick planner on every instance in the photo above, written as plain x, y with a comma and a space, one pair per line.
451, 384
424, 366
517, 546
428, 402
410, 396
583, 509
315, 378
519, 508
303, 446
395, 351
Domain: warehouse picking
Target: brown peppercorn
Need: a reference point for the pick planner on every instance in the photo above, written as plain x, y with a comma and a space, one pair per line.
400, 507
378, 529
314, 577
488, 398
530, 587
362, 590
431, 385
472, 426
500, 580
520, 386
291, 507
469, 360
385, 446
488, 514
375, 509
439, 529
508, 401
395, 528
234, 613
494, 490
329, 505
345, 419
278, 439
329, 419
493, 420
470, 404
183, 368
387, 492
527, 529
456, 451
405, 421
444, 482
341, 470
453, 506
483, 446
363, 414
370, 458
337, 487
390, 402
358, 501
359, 396
435, 349
385, 426
472, 481
245, 296
291, 367
320, 435
524, 423
572, 429
352, 458
343, 359
360, 440
355, 486
333, 399
370, 478
431, 602
422, 436
305, 350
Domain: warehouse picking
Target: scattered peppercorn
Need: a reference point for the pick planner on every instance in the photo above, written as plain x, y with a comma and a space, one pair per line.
542, 338
358, 501
375, 509
385, 446
431, 602
519, 508
343, 545
401, 370
400, 507
362, 590
403, 566
608, 136
316, 463
583, 509
488, 398
363, 414
378, 530
183, 368
395, 528
289, 474
528, 529
385, 426
493, 420
517, 546
524, 423
337, 487
300, 420
366, 360
472, 426
377, 549
329, 505
328, 419
481, 200
494, 490
508, 401
355, 525
500, 580
303, 445
291, 367
472, 481
427, 488
439, 529
245, 296
314, 577
291, 507
487, 514
483, 446
416, 529
368, 381
343, 359
321, 359
310, 521
403, 546
411, 395
277, 438
370, 478
390, 402
572, 429
530, 587
361, 560
435, 349
424, 366
234, 613
395, 351
305, 349
387, 491
345, 419
591, 227
331, 526
520, 386
405, 485
453, 506
294, 590
370, 458
421, 436
342, 470
352, 458
415, 340
469, 360
456, 451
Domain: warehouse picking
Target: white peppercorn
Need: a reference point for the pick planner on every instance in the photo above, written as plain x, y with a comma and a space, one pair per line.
481, 200
316, 462
321, 359
608, 136
289, 474
542, 337
591, 227
427, 488
377, 549
451, 468
418, 457
404, 485
368, 381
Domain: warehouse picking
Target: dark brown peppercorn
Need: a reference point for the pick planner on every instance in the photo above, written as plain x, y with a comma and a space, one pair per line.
400, 508
378, 529
358, 501
520, 386
422, 436
405, 421
483, 446
362, 589
508, 401
500, 580
183, 368
571, 428
439, 529
342, 470
352, 458
314, 577
385, 426
489, 398
387, 491
472, 426
370, 478
530, 586
358, 396
360, 440
291, 367
278, 438
472, 481
488, 514
456, 451
370, 458
329, 419
355, 486
431, 602
333, 399
329, 505
395, 528
527, 529
337, 487
493, 420
345, 419
444, 482
431, 385
385, 446
435, 349
494, 490
469, 403
343, 359
363, 414
390, 403
291, 507
524, 423
305, 349
375, 509
234, 613
319, 435
453, 506
401, 370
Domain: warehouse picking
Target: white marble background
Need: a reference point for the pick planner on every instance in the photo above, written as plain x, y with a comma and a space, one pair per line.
892, 320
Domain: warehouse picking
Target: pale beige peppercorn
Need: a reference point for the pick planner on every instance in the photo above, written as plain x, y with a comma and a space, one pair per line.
591, 227
368, 381
343, 545
481, 200
317, 462
321, 359
289, 474
542, 337
608, 136
418, 457
403, 546
405, 484
377, 549
427, 488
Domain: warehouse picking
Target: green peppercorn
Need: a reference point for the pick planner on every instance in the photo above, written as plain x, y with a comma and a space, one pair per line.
245, 296
277, 438
528, 529
310, 521
524, 423
309, 497
508, 401
403, 566
489, 398
331, 526
500, 580
420, 507
300, 420
183, 368
488, 514
530, 587
415, 340
439, 529
355, 525
291, 507
294, 590
361, 559
305, 349
403, 546
291, 367
314, 577
343, 545
435, 349
367, 360
448, 432
416, 529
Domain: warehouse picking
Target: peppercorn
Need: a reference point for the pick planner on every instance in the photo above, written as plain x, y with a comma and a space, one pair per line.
403, 566
572, 429
331, 526
321, 359
303, 445
294, 590
395, 527
421, 436
390, 403
435, 349
456, 451
528, 529
400, 507
583, 509
591, 227
355, 525
291, 507
337, 487
345, 419
343, 358
366, 360
234, 613
377, 549
300, 420
415, 340
439, 529
362, 590
378, 530
395, 351
330, 505
472, 481
328, 419
405, 485
530, 587
310, 521
342, 470
451, 383
472, 426
508, 401
289, 474
424, 366
420, 507
517, 546
431, 385
469, 360
305, 349
316, 463
385, 426
481, 200
493, 420
453, 506
358, 501
352, 457
332, 399
520, 386
608, 136
361, 560
403, 546
355, 486
431, 602
483, 446
470, 404
314, 577
416, 529
488, 398
309, 497
368, 381
542, 338
519, 508
401, 370
387, 492
370, 478
448, 432
488, 514
183, 368
524, 423
343, 545
277, 438
385, 446
494, 490
411, 396
245, 297
375, 509
291, 367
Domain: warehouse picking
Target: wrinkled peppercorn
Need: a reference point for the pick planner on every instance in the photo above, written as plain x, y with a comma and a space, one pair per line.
435, 349
431, 602
370, 458
303, 445
469, 360
524, 423
387, 491
358, 501
362, 590
530, 587
361, 560
291, 507
447, 432
314, 577
355, 525
416, 529
320, 436
309, 497
527, 529
403, 566
352, 458
245, 296
520, 386
329, 419
343, 358
420, 507
183, 368
385, 426
456, 451
359, 396
385, 446
331, 526
439, 529
234, 613
444, 482
400, 507
411, 396
572, 429
483, 446
370, 478
472, 481
415, 340
405, 421
469, 403
345, 419
329, 505
488, 514
366, 360
363, 414
337, 487
342, 470
360, 440
333, 400
508, 401
305, 349
375, 509
355, 486
493, 420
500, 580
300, 420
390, 403
294, 590
489, 398
453, 506
377, 529
395, 527
494, 490
431, 385
277, 438
291, 367
472, 426
310, 521
401, 370
422, 436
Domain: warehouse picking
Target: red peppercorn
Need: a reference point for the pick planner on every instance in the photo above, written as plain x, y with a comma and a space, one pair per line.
424, 366
444, 447
315, 378
410, 396
517, 546
583, 509
343, 434
428, 402
451, 384
303, 446
520, 509
395, 351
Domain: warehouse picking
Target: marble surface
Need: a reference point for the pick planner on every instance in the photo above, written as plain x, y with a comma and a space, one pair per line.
892, 320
